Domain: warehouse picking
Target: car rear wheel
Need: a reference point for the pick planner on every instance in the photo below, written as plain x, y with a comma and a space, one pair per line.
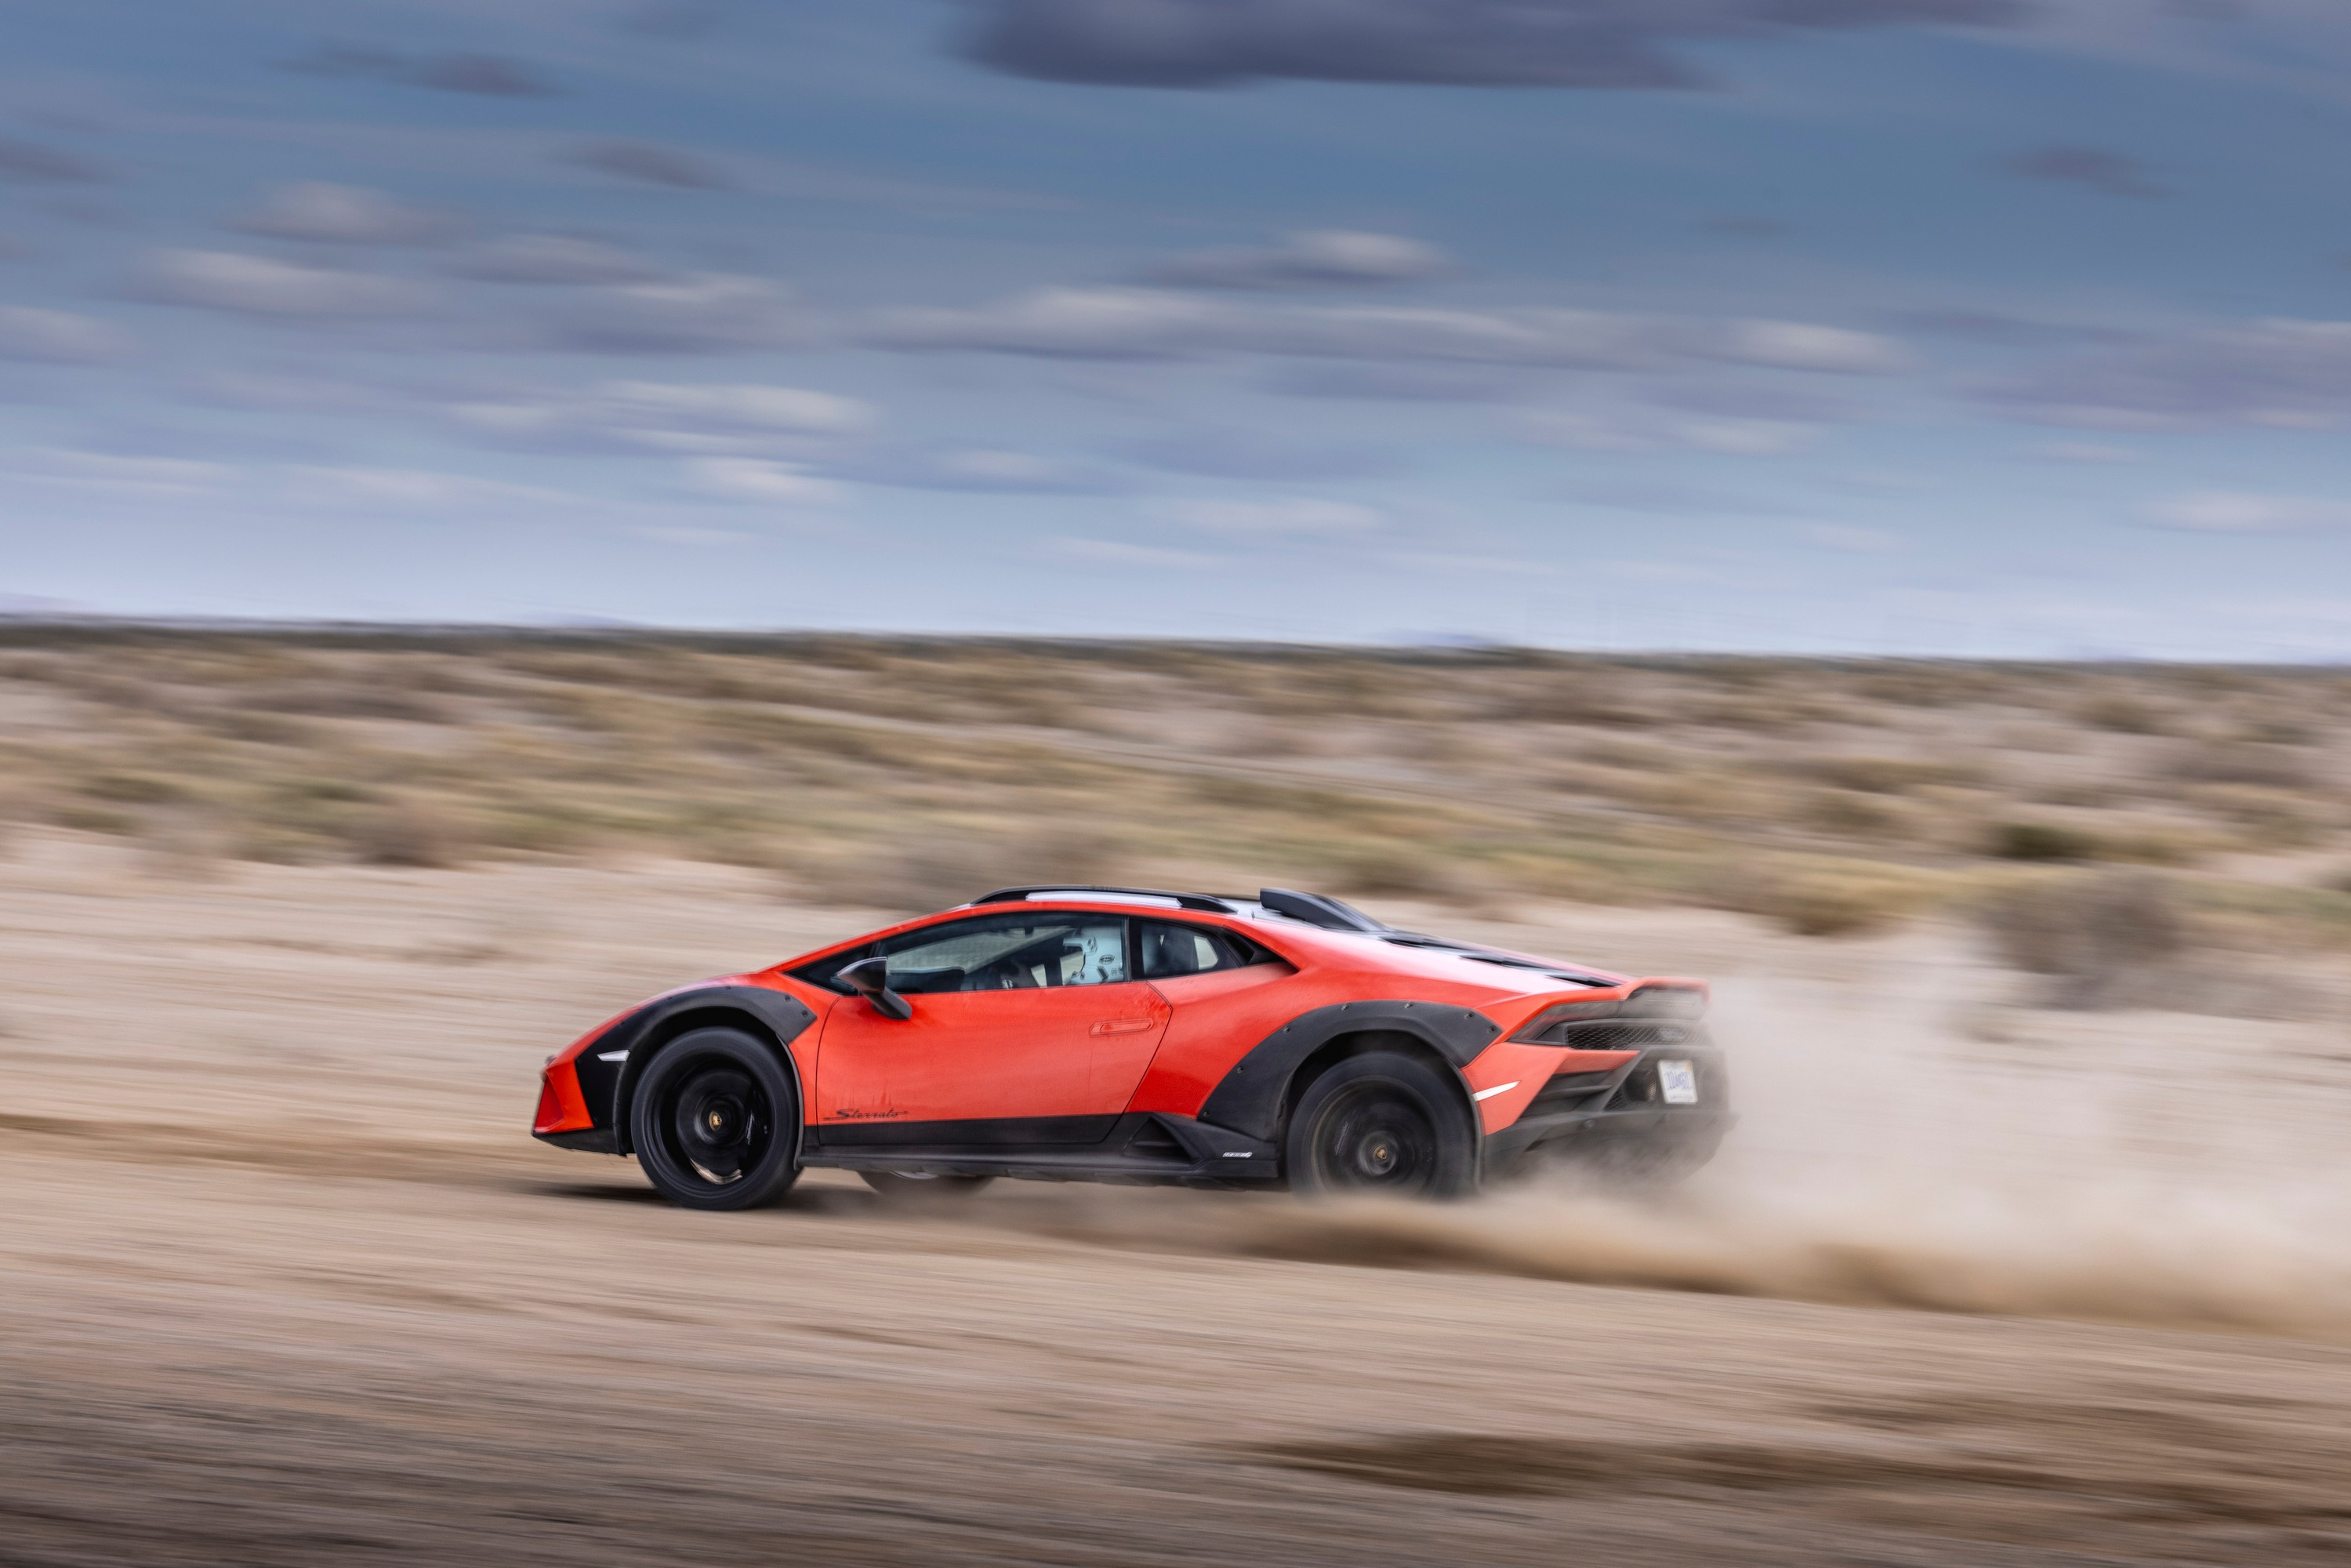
712, 1121
916, 1187
1381, 1122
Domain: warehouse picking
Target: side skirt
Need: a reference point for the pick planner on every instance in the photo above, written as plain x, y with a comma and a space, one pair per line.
1147, 1148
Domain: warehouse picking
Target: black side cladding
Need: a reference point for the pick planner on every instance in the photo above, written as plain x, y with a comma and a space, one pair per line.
1249, 1099
608, 1069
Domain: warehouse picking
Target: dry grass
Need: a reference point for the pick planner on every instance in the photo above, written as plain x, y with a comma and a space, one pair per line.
1833, 797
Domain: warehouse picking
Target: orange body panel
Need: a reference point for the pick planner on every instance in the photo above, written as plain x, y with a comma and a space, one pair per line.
561, 1107
1075, 1051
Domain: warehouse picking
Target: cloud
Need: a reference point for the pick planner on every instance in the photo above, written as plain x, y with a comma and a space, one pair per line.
648, 164
1402, 383
2093, 168
1769, 402
980, 469
1856, 542
263, 286
756, 479
729, 419
671, 19
762, 409
59, 337
2092, 454
1149, 324
1666, 497
1066, 323
2233, 512
2280, 374
488, 76
413, 487
565, 259
294, 391
1249, 454
308, 485
32, 163
1287, 517
128, 474
1997, 328
695, 313
1312, 258
1632, 429
1120, 553
1480, 43
343, 214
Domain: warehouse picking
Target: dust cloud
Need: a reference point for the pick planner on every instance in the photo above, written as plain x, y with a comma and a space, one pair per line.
1918, 1145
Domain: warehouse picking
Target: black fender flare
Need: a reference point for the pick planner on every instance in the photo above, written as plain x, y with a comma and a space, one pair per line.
1248, 1099
782, 1016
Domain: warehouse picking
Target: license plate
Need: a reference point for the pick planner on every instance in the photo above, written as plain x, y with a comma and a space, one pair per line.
1678, 1083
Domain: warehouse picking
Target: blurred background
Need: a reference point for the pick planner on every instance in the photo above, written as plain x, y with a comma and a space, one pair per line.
506, 505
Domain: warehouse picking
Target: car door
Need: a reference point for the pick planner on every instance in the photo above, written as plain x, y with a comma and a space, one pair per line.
1027, 1030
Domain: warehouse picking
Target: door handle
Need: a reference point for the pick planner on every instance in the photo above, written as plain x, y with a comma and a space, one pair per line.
1124, 1025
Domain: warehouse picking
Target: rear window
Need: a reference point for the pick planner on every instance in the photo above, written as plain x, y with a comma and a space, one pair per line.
1170, 949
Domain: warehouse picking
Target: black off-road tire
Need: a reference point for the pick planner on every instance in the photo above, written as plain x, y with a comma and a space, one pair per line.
715, 1122
1383, 1122
907, 1187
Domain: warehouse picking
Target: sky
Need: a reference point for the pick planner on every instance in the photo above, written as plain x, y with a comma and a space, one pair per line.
1986, 328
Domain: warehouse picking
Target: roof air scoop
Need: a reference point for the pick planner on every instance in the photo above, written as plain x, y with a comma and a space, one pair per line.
1316, 910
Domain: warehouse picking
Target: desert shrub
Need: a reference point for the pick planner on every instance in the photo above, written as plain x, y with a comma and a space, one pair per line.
351, 698
1882, 775
2270, 819
2150, 843
1846, 813
2278, 731
538, 827
2123, 714
128, 789
257, 728
1768, 710
1398, 870
404, 833
2040, 842
942, 866
84, 818
1925, 685
1577, 696
1831, 906
2095, 936
1826, 899
2226, 762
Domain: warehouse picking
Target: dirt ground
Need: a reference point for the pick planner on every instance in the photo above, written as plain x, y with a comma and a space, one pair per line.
286, 1281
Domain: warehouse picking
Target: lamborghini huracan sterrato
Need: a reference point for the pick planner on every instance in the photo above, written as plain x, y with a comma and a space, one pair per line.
1115, 1034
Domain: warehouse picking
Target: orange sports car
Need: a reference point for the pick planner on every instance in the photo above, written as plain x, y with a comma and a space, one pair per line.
1125, 1035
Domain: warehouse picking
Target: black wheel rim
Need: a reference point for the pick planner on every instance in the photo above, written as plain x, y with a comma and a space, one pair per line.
1374, 1138
718, 1123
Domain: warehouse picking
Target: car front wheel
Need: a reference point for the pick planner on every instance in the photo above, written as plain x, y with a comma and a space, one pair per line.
1381, 1122
712, 1121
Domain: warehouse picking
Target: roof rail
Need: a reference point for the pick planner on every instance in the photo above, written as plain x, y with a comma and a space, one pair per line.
1207, 900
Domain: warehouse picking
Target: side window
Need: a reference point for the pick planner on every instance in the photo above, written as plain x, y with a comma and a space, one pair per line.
1169, 950
1010, 953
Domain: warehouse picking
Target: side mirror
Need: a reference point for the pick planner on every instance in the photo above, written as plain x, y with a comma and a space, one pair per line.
870, 979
